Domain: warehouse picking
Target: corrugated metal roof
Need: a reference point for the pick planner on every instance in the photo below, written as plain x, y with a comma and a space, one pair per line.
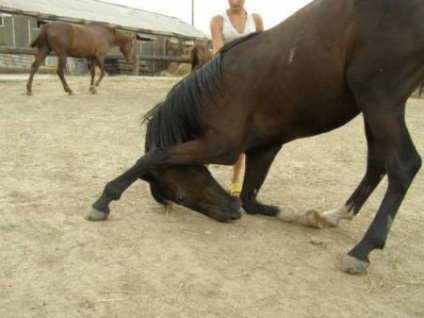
94, 10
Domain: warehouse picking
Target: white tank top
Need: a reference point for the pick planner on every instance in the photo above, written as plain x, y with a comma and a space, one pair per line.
230, 33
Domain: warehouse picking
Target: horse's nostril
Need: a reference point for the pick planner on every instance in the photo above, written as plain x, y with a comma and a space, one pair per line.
235, 204
179, 199
235, 216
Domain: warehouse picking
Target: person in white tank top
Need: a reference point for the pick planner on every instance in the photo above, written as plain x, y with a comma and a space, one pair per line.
234, 23
229, 31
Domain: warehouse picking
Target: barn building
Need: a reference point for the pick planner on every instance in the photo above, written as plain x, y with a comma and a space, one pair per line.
159, 39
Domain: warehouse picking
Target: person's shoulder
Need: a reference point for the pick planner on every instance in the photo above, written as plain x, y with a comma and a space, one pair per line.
258, 21
217, 18
216, 23
256, 16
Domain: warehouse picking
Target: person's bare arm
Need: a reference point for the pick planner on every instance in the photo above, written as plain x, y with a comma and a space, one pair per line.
216, 33
258, 22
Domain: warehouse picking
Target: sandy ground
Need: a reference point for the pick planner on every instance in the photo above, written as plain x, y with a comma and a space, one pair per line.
58, 151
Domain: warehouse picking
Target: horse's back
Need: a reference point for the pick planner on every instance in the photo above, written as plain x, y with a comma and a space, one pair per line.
388, 48
75, 40
296, 79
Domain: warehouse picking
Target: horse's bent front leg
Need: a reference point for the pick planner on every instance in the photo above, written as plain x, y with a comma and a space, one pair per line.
258, 162
114, 189
60, 72
196, 152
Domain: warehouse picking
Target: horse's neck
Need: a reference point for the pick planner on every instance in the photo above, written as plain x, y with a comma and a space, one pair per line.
120, 38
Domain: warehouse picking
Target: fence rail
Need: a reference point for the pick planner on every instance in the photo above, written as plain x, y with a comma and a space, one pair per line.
135, 67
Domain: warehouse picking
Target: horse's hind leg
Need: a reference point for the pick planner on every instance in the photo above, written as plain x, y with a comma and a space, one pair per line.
60, 72
39, 58
391, 141
375, 172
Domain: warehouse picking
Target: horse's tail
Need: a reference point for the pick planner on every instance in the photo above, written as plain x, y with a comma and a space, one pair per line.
41, 38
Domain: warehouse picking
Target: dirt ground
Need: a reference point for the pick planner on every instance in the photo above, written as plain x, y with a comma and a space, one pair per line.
58, 151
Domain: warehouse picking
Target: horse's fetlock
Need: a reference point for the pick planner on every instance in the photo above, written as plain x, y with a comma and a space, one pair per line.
378, 241
112, 193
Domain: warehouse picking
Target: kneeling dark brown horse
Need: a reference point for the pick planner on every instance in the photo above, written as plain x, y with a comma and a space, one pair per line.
314, 72
90, 41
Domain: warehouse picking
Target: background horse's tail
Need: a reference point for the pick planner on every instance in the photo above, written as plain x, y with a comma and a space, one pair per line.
41, 39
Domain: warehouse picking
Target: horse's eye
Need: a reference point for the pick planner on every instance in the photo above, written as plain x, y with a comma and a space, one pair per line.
180, 199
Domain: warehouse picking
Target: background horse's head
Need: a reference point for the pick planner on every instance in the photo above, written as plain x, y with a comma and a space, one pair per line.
125, 46
199, 55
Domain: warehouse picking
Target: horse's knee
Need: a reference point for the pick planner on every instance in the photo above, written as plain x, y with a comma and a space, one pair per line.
227, 156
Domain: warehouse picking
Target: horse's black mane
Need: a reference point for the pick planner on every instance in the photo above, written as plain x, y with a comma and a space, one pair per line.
179, 117
236, 42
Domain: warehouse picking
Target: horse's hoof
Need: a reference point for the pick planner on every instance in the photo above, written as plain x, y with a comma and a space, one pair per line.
96, 215
314, 220
71, 93
287, 215
28, 93
93, 90
353, 265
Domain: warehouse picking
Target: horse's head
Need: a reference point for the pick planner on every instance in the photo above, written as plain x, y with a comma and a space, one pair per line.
194, 188
177, 120
199, 55
126, 48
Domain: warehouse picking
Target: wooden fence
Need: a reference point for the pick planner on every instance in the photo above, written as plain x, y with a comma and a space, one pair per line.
135, 65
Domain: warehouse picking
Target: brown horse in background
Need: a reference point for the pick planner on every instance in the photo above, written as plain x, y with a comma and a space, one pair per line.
328, 63
199, 55
91, 41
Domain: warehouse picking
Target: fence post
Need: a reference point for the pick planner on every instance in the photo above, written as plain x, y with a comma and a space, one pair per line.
136, 65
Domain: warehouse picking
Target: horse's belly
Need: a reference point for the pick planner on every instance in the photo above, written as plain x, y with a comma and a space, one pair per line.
297, 118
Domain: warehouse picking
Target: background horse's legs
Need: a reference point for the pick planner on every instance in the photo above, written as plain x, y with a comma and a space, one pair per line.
93, 74
101, 64
39, 58
374, 174
60, 72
